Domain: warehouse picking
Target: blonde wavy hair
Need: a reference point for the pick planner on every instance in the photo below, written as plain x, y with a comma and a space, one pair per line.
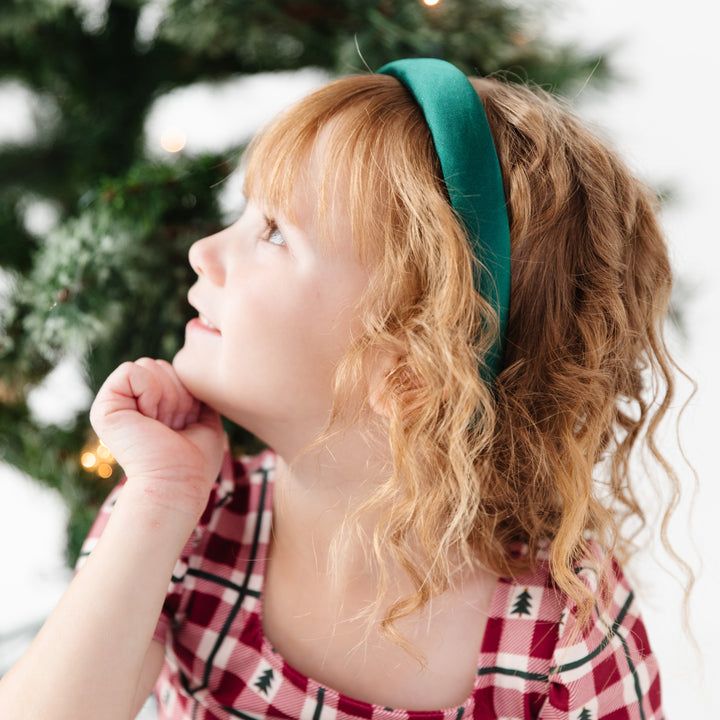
479, 471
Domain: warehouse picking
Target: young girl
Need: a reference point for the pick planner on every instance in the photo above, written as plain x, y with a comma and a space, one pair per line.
442, 310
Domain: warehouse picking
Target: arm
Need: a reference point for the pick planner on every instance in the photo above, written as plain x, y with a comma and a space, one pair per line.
94, 655
152, 665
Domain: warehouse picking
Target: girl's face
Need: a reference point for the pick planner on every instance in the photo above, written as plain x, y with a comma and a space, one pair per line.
277, 311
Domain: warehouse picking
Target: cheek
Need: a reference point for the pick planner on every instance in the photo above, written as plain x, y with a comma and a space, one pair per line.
304, 318
287, 305
267, 309
270, 334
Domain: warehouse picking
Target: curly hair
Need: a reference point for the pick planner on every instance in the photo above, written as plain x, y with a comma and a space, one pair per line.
480, 471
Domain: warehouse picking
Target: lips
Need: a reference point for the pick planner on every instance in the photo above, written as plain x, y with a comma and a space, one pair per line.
203, 319
196, 325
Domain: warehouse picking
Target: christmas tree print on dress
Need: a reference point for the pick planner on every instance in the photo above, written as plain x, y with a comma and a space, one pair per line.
264, 682
522, 603
584, 714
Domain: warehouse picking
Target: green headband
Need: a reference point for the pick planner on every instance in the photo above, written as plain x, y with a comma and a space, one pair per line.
470, 166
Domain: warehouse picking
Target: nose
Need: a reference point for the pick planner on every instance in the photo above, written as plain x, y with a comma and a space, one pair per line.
207, 258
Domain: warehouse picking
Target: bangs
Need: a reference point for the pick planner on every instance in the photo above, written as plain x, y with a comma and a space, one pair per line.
277, 161
343, 145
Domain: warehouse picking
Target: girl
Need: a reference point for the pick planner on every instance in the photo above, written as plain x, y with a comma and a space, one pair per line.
442, 310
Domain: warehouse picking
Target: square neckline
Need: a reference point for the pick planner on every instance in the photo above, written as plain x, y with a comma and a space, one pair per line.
276, 659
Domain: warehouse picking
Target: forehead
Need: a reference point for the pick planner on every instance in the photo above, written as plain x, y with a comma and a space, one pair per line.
351, 150
342, 111
301, 175
292, 164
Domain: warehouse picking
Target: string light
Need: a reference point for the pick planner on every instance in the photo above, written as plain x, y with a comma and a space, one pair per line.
98, 459
430, 3
88, 460
104, 452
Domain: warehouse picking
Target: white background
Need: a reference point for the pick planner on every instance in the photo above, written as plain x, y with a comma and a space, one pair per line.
664, 119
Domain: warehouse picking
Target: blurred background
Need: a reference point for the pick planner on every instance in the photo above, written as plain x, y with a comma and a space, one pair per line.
121, 123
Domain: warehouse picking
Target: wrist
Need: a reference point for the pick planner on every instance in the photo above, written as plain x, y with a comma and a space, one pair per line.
162, 507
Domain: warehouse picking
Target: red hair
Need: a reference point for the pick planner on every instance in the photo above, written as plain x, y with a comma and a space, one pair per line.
587, 377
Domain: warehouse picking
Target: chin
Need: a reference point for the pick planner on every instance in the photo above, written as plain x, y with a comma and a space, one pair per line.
203, 383
191, 377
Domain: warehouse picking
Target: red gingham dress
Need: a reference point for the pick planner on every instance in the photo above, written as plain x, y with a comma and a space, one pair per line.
219, 664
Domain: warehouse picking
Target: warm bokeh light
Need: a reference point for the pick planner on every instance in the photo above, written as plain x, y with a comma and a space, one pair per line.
431, 2
103, 452
97, 458
104, 470
173, 139
88, 460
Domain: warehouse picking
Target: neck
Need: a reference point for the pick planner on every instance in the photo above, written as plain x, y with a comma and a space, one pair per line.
318, 489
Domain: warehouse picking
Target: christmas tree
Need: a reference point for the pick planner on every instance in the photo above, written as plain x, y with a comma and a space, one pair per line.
523, 603
107, 282
264, 682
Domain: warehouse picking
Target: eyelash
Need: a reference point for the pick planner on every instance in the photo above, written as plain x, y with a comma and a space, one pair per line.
272, 230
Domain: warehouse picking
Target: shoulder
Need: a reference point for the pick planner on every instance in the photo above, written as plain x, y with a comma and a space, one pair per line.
523, 628
605, 667
540, 660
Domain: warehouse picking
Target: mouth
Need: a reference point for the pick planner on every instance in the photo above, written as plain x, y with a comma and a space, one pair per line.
202, 321
202, 325
206, 323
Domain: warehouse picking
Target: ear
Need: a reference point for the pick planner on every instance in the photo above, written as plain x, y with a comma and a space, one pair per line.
379, 380
389, 379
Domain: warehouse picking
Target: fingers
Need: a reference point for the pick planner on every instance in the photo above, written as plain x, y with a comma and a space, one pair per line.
152, 388
175, 406
159, 433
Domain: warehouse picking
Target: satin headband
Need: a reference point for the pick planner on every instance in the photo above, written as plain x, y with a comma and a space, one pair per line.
459, 128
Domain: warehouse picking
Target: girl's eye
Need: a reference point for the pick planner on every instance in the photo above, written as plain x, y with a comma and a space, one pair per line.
273, 234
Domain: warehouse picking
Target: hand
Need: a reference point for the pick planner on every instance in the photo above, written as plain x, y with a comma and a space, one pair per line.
162, 436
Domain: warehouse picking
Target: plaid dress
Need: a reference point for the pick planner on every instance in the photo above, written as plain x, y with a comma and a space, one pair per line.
219, 664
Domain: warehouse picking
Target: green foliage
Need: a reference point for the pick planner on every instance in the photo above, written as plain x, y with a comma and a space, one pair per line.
105, 286
118, 267
481, 36
109, 282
